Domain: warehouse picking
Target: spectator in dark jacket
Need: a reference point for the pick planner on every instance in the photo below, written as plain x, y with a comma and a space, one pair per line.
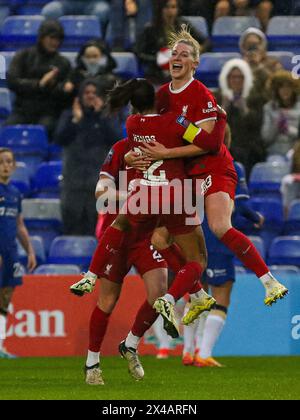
152, 46
37, 76
86, 135
93, 61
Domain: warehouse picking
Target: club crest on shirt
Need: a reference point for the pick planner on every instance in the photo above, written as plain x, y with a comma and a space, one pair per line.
185, 110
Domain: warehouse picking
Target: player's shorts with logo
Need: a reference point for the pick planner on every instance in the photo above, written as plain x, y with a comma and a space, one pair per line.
220, 270
142, 256
11, 269
218, 174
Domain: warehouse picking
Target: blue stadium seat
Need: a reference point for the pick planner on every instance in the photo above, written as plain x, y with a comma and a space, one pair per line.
5, 103
127, 65
46, 182
57, 269
277, 159
211, 65
43, 218
199, 23
20, 31
266, 177
284, 33
39, 249
285, 250
228, 29
260, 246
21, 179
292, 225
54, 152
285, 58
76, 250
29, 142
78, 30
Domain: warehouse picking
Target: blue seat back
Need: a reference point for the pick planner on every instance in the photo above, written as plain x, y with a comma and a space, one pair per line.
47, 179
285, 250
25, 139
267, 176
79, 29
127, 65
39, 249
57, 269
21, 178
72, 250
228, 29
20, 31
5, 103
211, 65
199, 23
284, 33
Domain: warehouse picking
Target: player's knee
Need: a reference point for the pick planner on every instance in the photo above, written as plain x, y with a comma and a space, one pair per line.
219, 227
107, 304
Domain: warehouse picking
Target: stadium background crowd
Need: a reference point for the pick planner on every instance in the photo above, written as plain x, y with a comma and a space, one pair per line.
59, 71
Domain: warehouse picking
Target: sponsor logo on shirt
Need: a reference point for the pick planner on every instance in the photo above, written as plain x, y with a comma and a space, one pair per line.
210, 109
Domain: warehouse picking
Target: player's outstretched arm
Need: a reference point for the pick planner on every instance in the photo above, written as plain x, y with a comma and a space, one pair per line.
24, 239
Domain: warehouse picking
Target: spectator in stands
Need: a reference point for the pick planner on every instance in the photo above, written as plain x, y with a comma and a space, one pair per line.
58, 8
281, 114
238, 96
93, 61
128, 18
37, 76
261, 8
153, 50
254, 49
205, 8
290, 186
86, 135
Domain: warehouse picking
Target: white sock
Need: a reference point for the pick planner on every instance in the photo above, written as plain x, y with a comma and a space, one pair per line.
200, 329
92, 358
163, 338
170, 298
201, 294
132, 341
267, 279
2, 330
213, 327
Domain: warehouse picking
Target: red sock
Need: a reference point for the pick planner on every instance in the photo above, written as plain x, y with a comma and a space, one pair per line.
98, 326
244, 249
109, 244
174, 257
185, 280
196, 288
145, 318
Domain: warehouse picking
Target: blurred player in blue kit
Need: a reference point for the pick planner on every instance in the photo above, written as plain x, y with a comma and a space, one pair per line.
11, 227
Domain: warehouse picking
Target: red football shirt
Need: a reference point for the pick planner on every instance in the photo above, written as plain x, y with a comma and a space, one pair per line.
198, 104
113, 164
164, 129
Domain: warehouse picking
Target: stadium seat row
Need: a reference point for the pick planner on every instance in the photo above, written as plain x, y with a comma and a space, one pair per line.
283, 32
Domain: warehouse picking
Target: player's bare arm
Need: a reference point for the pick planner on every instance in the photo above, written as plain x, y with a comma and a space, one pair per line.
24, 239
107, 185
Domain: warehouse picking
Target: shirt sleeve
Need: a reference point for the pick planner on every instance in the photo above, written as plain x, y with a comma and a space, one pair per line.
114, 160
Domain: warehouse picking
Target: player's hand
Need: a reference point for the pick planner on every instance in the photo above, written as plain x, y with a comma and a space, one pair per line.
137, 161
49, 77
261, 222
31, 263
98, 104
77, 111
155, 151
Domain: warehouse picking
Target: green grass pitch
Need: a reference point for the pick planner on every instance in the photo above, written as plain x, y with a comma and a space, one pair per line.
243, 378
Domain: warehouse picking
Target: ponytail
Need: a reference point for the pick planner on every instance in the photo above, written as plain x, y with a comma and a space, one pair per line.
138, 92
121, 95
